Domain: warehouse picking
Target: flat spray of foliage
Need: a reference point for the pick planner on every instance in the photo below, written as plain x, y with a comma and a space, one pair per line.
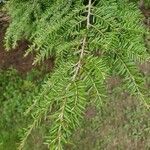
90, 41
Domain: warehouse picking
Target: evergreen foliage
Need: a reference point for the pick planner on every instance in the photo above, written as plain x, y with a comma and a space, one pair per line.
90, 41
16, 94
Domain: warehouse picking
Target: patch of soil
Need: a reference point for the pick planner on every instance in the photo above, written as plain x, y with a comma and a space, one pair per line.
146, 13
15, 57
90, 112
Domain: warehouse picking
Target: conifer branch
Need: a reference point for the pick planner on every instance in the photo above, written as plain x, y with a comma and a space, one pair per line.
134, 82
79, 64
27, 134
73, 32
